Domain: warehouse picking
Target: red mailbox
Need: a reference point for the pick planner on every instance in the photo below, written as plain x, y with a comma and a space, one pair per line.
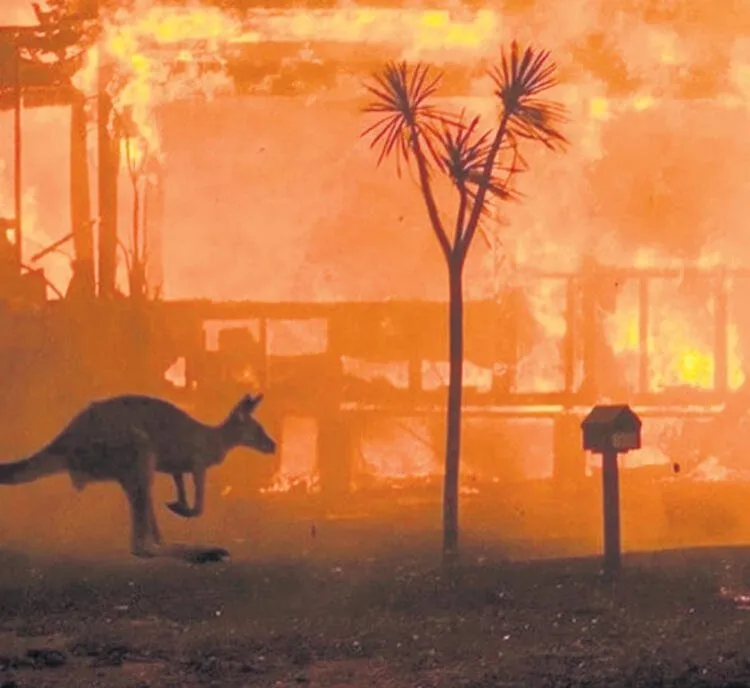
609, 431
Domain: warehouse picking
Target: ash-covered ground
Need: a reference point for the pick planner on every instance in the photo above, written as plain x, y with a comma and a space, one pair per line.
360, 600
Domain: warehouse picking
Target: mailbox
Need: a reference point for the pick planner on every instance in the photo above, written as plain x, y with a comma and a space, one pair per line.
609, 431
613, 428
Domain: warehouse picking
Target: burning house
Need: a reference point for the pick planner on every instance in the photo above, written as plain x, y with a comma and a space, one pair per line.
231, 179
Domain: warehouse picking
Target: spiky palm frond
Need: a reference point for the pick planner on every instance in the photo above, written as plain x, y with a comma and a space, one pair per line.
464, 155
519, 81
402, 96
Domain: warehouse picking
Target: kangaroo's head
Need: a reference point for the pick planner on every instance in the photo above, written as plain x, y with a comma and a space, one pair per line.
243, 430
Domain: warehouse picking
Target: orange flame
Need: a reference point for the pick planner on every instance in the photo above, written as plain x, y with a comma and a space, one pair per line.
155, 52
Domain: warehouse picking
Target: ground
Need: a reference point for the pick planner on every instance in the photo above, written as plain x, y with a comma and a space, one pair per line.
363, 604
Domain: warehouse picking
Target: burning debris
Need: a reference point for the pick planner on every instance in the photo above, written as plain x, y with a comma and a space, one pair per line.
635, 94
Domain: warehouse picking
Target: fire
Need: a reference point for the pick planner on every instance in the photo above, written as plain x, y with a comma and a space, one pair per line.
172, 25
599, 108
57, 265
539, 370
159, 53
417, 30
680, 350
155, 53
604, 109
162, 53
298, 469
740, 68
283, 483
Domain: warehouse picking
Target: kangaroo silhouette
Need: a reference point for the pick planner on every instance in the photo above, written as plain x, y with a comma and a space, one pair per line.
127, 439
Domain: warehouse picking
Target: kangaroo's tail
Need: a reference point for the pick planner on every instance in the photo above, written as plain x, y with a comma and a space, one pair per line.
36, 466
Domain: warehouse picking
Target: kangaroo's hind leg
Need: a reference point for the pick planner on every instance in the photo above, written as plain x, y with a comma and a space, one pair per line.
139, 520
137, 485
153, 524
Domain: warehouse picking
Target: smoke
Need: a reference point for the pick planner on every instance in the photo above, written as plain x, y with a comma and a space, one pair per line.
657, 94
17, 13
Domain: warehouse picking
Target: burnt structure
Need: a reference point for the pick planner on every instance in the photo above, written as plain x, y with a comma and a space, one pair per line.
58, 353
415, 333
36, 69
111, 344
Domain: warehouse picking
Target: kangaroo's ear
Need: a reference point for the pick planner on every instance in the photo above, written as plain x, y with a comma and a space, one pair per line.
248, 404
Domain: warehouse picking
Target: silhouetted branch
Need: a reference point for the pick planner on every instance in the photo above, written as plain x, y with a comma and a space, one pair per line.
480, 164
408, 120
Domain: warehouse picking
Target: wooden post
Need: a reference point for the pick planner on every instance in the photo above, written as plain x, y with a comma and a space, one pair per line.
109, 164
610, 430
334, 446
153, 225
80, 201
611, 506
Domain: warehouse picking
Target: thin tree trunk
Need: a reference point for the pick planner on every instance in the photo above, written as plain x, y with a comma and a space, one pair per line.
453, 420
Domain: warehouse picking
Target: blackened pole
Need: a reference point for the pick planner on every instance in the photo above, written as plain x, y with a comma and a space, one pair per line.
107, 183
17, 152
611, 504
80, 202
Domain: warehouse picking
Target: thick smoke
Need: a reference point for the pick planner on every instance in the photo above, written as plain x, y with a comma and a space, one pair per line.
657, 93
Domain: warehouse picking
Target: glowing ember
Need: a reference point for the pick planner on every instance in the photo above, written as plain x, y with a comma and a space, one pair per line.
741, 599
680, 344
282, 484
298, 470
421, 30
397, 449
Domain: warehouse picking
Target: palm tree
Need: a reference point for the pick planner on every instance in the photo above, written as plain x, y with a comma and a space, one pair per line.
481, 165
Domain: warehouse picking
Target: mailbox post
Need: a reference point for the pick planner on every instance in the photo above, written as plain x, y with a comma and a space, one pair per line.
610, 431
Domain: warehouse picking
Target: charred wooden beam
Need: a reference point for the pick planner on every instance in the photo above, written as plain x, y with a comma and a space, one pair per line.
18, 156
109, 164
80, 202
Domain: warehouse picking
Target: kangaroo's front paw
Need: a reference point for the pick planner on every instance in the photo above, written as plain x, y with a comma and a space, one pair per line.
181, 509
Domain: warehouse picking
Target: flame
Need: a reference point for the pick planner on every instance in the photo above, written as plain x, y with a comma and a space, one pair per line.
156, 54
56, 265
160, 54
298, 469
540, 370
157, 51
682, 354
283, 483
394, 450
419, 31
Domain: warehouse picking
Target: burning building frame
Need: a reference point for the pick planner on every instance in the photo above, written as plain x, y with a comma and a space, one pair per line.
557, 342
41, 66
28, 79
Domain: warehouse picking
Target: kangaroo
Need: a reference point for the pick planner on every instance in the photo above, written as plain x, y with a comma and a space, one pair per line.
127, 439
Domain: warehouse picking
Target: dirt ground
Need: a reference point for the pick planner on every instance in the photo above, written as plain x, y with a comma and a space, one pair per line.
354, 601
